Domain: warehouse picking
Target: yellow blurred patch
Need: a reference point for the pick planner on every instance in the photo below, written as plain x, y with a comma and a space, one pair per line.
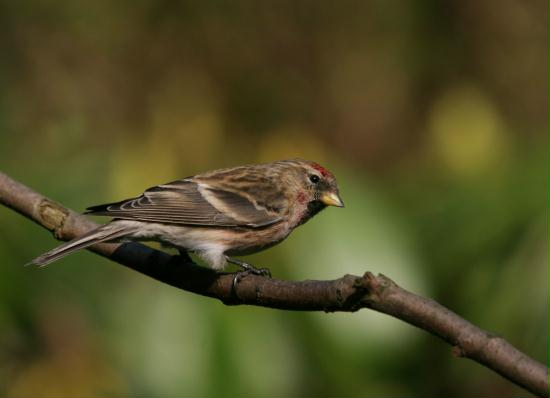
141, 165
186, 114
291, 142
467, 132
183, 138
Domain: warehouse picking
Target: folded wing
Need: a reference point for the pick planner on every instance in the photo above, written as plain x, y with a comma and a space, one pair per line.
186, 202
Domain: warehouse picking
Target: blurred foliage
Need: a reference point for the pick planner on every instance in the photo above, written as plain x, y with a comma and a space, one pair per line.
432, 114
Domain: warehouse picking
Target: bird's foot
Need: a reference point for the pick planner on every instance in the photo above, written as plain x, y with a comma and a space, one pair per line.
184, 255
247, 269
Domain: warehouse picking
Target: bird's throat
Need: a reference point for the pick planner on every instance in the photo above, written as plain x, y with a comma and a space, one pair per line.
312, 209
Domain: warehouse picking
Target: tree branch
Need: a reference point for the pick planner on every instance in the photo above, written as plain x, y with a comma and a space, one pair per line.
349, 293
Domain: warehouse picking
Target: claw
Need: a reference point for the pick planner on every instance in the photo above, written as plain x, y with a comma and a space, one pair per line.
184, 255
249, 267
264, 272
246, 270
236, 280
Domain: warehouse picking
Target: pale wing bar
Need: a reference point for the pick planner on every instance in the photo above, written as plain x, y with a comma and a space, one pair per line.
182, 202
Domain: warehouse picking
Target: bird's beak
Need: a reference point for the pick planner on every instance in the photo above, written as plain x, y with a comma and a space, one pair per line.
332, 199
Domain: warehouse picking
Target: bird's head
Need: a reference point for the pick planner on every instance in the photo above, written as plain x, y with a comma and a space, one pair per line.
314, 188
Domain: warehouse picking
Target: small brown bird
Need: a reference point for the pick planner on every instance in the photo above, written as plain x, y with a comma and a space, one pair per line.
217, 214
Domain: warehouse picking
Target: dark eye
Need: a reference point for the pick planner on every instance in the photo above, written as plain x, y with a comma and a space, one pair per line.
314, 178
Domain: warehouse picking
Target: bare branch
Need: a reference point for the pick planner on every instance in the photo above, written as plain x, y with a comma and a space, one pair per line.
349, 293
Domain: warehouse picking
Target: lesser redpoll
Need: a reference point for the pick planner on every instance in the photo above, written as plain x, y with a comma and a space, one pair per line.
217, 214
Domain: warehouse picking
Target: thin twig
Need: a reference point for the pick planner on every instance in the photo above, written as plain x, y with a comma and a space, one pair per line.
349, 293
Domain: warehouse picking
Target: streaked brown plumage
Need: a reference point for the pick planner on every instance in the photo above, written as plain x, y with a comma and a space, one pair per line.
233, 211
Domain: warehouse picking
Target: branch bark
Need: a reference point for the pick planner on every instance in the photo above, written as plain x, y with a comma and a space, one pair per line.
348, 293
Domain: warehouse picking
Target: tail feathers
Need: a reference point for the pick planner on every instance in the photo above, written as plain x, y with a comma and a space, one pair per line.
104, 233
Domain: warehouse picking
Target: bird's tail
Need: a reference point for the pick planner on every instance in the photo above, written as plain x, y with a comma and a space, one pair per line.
103, 233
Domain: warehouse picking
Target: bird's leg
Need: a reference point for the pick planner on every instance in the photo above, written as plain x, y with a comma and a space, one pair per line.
247, 269
184, 255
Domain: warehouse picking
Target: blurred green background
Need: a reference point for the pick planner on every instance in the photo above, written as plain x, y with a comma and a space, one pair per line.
433, 115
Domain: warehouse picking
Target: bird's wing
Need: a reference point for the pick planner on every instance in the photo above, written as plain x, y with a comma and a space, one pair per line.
187, 202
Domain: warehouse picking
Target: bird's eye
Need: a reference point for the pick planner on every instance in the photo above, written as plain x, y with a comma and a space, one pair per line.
314, 178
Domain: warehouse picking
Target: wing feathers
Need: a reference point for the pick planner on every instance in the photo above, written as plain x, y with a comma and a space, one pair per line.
188, 203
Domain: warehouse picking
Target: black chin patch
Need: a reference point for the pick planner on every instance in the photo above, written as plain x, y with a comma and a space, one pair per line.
315, 207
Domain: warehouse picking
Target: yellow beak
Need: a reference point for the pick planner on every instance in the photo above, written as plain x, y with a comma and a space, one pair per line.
332, 199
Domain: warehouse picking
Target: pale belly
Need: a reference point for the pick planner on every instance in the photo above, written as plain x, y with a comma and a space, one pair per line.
210, 243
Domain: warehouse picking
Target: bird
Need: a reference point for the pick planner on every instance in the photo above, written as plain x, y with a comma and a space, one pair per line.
218, 214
